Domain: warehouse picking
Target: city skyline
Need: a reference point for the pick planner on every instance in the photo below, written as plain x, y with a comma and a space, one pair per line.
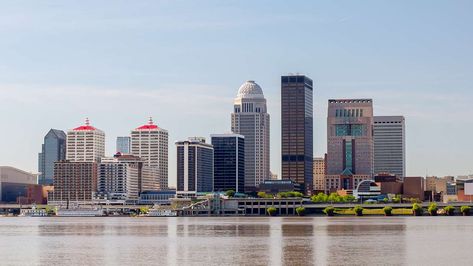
111, 81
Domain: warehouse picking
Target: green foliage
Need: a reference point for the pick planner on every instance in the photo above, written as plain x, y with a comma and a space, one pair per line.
329, 211
271, 211
349, 198
388, 210
385, 200
300, 211
465, 210
321, 197
144, 210
332, 198
290, 194
230, 193
358, 210
264, 195
397, 199
449, 210
417, 209
432, 209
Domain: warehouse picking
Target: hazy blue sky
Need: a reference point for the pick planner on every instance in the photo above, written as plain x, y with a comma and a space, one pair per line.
118, 62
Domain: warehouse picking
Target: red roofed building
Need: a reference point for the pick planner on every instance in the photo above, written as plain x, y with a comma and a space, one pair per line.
150, 143
85, 144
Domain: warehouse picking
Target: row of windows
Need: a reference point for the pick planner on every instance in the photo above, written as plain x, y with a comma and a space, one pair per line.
349, 113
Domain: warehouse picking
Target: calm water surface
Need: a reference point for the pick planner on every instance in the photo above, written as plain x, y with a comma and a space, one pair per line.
237, 240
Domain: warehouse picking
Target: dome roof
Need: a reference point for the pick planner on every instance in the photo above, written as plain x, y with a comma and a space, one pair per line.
250, 89
149, 126
86, 127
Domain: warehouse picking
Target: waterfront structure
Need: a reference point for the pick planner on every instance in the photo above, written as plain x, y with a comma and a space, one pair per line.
276, 186
52, 150
319, 174
122, 178
74, 182
157, 197
229, 162
150, 143
195, 166
123, 144
335, 183
297, 130
16, 185
85, 144
250, 119
367, 189
389, 145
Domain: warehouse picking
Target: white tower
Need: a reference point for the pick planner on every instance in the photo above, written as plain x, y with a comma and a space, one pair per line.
150, 142
250, 119
85, 144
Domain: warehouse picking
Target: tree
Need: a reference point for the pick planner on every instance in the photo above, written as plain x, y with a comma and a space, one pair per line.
329, 211
230, 193
358, 210
300, 211
262, 194
333, 197
397, 199
144, 210
271, 211
449, 210
417, 209
465, 210
349, 198
432, 209
321, 197
388, 210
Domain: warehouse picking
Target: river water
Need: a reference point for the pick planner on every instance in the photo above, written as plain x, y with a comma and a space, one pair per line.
237, 241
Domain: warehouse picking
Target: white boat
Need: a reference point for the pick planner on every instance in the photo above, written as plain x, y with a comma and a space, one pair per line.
161, 213
79, 212
33, 212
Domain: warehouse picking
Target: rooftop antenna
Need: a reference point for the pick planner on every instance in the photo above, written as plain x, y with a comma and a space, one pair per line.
150, 121
87, 122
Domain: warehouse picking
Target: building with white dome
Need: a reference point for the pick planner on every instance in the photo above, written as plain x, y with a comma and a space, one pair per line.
250, 119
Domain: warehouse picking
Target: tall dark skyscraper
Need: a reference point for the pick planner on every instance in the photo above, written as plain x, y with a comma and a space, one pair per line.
297, 130
52, 150
229, 162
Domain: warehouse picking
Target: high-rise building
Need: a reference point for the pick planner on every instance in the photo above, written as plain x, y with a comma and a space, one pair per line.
319, 174
297, 130
123, 144
349, 140
195, 166
150, 143
229, 162
122, 178
74, 182
250, 119
389, 145
85, 144
52, 150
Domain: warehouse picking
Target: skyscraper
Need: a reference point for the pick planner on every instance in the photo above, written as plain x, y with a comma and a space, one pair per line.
297, 130
195, 166
350, 140
52, 150
150, 142
389, 145
229, 162
85, 144
123, 144
250, 119
319, 174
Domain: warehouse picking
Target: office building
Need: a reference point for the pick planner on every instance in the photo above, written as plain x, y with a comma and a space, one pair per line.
389, 145
229, 162
122, 178
414, 187
250, 119
123, 144
297, 130
52, 150
150, 143
74, 182
319, 174
85, 144
195, 166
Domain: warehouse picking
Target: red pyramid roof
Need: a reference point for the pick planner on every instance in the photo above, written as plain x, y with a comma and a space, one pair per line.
148, 126
87, 126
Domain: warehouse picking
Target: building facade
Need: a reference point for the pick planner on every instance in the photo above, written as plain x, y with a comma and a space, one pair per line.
297, 130
15, 183
123, 144
229, 162
85, 144
250, 119
52, 150
150, 143
195, 166
319, 174
389, 145
350, 137
74, 182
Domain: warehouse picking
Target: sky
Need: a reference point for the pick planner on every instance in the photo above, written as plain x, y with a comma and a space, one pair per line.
182, 62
